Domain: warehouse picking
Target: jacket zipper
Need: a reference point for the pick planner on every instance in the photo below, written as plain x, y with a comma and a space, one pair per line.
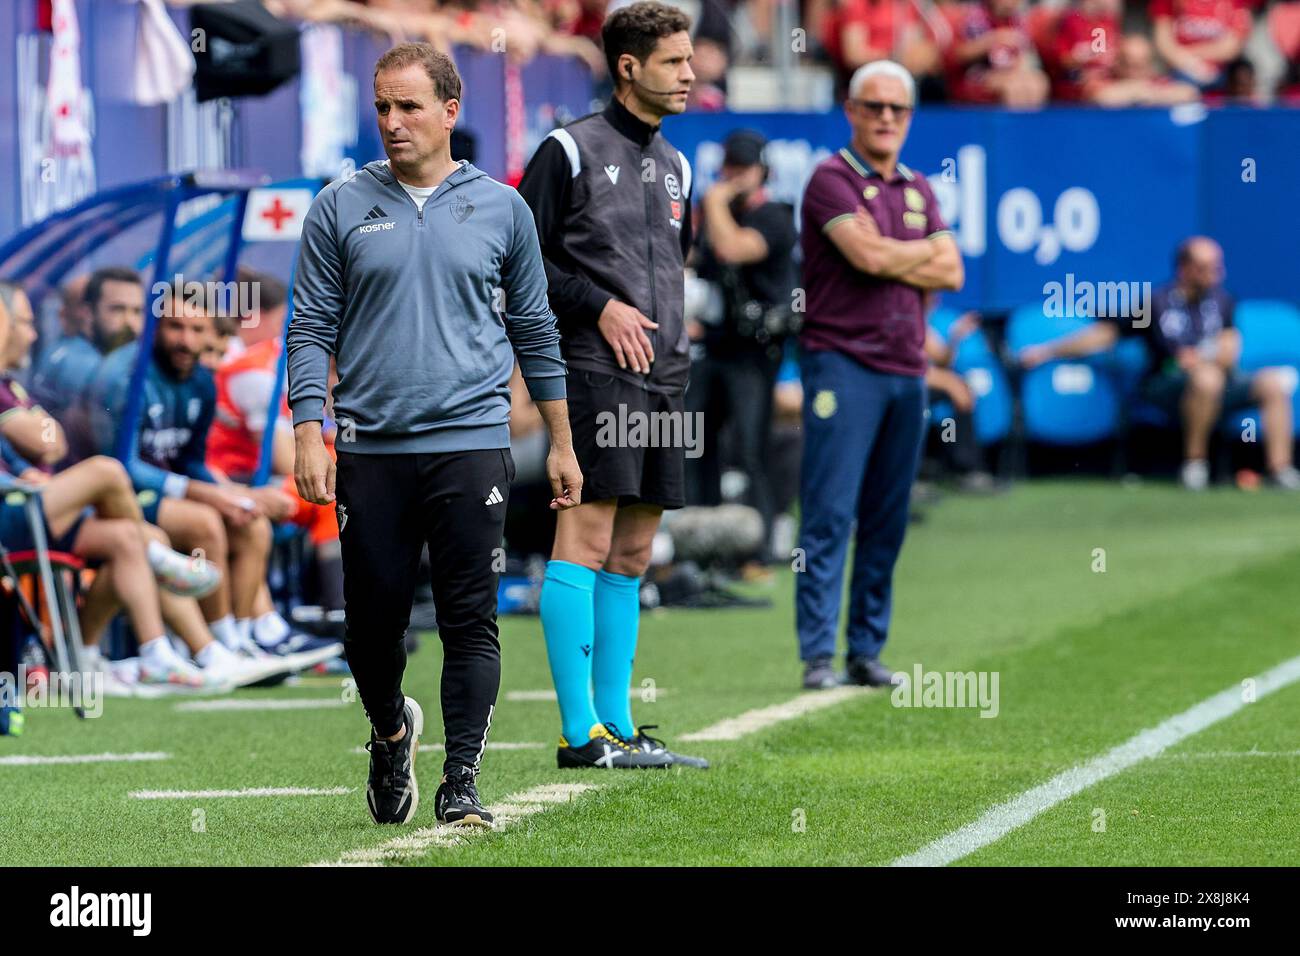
419, 210
650, 261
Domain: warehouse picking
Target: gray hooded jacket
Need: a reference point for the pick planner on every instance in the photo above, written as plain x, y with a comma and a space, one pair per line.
424, 312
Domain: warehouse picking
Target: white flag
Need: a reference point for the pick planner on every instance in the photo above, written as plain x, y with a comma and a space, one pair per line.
66, 101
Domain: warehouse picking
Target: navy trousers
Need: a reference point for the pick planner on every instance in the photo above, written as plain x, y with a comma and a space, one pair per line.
863, 432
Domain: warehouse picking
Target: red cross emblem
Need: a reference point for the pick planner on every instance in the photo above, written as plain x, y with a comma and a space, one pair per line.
277, 214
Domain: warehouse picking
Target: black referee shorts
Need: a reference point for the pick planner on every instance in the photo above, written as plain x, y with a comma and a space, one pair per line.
389, 508
616, 462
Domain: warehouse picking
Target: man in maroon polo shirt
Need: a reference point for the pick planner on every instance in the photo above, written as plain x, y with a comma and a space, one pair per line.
874, 245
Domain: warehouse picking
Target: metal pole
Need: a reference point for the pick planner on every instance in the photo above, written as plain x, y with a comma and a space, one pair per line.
783, 57
144, 347
263, 473
66, 658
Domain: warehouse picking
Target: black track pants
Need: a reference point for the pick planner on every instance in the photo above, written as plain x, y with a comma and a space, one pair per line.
389, 507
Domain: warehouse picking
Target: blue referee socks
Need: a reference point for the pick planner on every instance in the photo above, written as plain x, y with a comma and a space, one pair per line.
567, 609
617, 619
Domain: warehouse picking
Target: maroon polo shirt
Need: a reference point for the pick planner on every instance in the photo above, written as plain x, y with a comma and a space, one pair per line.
879, 322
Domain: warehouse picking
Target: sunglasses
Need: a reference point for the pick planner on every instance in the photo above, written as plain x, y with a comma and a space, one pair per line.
877, 108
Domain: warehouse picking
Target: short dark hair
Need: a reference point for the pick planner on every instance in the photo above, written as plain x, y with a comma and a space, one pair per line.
440, 68
95, 285
271, 292
637, 29
225, 325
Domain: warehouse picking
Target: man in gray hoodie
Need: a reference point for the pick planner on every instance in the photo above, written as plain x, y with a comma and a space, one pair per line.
424, 280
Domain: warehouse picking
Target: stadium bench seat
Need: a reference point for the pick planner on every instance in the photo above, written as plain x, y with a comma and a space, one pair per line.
1270, 338
1128, 364
66, 570
976, 362
1070, 402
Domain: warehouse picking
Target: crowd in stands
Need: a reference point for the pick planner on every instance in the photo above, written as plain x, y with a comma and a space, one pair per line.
1011, 52
1021, 54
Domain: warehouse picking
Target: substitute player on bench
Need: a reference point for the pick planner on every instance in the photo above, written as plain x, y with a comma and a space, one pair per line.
612, 201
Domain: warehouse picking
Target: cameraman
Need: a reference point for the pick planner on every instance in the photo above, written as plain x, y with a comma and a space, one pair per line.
744, 252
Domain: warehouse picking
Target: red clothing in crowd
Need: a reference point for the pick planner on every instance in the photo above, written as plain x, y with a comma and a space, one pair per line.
967, 82
1084, 56
1200, 21
884, 21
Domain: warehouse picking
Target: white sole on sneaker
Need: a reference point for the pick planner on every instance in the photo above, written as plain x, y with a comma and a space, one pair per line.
417, 719
418, 716
255, 670
304, 660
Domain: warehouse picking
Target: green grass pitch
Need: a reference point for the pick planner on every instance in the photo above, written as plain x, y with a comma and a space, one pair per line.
1198, 593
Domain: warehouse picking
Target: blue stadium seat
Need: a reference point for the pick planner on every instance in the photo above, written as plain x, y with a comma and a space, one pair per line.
1072, 402
1270, 333
976, 362
1270, 337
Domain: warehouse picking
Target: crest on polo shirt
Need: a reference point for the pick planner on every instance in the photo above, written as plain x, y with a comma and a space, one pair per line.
824, 403
870, 193
671, 184
914, 218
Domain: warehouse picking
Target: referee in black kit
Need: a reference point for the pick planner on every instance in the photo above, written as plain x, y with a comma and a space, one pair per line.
612, 201
397, 278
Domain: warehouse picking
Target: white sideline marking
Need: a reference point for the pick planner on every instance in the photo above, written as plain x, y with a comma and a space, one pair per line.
511, 809
32, 760
492, 745
1218, 754
752, 721
527, 696
535, 800
1018, 811
246, 792
236, 703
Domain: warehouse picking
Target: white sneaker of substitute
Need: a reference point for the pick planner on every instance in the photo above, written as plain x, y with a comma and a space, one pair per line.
274, 636
160, 665
241, 670
111, 684
1195, 475
127, 672
182, 574
1286, 478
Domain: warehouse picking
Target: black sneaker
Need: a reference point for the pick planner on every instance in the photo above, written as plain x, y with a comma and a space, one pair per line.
392, 792
819, 674
653, 745
457, 802
608, 752
867, 672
